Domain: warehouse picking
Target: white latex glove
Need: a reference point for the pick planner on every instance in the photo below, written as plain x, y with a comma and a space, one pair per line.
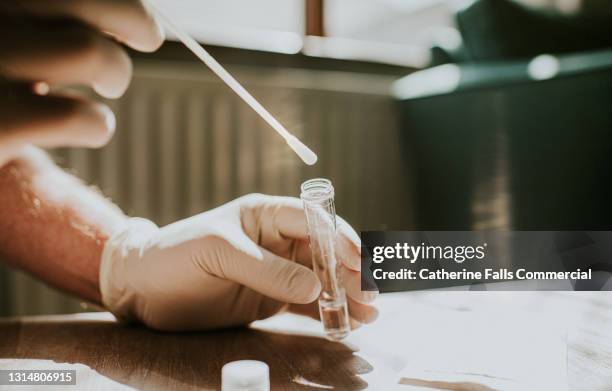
244, 261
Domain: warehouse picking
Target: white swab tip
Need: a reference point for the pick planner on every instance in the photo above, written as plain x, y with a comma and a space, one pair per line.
305, 153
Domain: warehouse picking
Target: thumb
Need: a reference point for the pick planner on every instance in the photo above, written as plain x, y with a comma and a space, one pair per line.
273, 276
52, 121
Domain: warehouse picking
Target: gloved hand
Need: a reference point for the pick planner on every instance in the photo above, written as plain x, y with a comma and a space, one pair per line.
244, 261
46, 44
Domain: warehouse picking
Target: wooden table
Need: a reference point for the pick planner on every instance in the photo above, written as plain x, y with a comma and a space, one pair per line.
411, 326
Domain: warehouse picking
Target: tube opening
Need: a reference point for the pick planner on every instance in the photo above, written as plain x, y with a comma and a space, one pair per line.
318, 189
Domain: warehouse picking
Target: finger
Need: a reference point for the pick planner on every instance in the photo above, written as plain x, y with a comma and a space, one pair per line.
363, 313
354, 324
289, 221
351, 281
67, 54
287, 217
348, 278
271, 275
129, 21
52, 121
348, 246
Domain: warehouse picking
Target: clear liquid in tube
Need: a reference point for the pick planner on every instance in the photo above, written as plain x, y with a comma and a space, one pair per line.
334, 316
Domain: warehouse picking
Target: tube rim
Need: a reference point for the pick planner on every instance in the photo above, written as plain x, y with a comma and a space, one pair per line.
317, 189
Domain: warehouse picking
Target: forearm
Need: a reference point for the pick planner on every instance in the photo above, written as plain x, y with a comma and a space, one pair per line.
53, 226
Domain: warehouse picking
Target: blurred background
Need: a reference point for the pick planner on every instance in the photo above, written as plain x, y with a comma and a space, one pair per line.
426, 114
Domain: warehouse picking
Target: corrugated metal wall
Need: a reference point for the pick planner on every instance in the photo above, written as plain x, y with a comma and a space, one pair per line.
186, 144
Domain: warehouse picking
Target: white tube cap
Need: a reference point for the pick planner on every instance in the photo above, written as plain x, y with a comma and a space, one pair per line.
245, 375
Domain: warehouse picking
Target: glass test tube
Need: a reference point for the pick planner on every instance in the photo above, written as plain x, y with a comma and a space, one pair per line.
318, 198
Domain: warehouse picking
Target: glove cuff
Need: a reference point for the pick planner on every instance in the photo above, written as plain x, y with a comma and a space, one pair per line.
120, 255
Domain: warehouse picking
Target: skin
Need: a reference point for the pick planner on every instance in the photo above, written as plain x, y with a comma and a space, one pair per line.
46, 44
45, 214
53, 226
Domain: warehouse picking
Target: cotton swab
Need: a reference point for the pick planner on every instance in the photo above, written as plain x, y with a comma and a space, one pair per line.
305, 153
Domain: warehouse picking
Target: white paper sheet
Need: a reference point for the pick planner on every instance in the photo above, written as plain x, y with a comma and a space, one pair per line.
492, 350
